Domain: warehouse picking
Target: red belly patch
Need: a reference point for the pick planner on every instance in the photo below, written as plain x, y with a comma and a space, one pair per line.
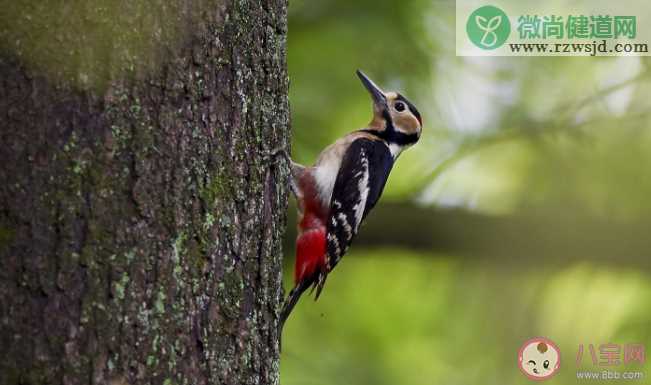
310, 252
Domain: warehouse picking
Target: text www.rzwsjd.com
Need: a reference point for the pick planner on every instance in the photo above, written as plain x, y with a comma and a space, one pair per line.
592, 49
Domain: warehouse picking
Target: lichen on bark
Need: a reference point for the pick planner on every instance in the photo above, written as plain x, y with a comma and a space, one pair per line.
140, 214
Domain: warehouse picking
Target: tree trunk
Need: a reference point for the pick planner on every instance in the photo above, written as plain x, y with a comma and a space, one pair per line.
141, 216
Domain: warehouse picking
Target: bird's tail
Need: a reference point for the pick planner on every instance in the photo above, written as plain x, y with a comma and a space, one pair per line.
315, 281
292, 300
288, 306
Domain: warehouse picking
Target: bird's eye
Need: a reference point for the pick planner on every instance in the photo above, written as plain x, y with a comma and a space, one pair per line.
399, 106
546, 364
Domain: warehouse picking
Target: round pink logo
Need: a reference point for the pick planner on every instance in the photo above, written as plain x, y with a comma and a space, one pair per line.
539, 358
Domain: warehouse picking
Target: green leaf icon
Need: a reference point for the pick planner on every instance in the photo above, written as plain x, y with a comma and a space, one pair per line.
488, 27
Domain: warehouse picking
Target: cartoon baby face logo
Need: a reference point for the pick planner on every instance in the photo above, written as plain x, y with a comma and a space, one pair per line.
539, 358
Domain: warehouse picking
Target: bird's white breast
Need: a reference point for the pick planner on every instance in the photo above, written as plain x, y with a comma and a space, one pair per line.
325, 175
327, 167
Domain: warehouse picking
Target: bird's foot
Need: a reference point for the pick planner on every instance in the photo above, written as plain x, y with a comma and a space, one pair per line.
275, 153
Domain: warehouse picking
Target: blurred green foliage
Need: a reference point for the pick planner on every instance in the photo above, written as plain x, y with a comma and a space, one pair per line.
502, 136
394, 317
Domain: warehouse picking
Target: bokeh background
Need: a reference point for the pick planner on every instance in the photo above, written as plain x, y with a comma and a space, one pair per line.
522, 212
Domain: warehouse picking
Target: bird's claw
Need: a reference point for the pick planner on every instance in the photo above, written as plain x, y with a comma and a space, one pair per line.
273, 154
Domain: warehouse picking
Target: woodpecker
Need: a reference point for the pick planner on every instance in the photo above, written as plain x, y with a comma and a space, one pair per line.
337, 193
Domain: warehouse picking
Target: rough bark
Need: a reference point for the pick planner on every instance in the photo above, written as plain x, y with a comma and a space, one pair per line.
140, 217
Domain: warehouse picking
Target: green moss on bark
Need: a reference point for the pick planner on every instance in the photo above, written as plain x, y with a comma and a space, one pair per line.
141, 226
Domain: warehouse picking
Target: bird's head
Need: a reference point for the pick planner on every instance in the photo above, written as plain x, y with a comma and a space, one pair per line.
395, 118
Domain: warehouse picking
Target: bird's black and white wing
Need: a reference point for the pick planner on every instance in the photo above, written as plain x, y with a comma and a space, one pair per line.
361, 178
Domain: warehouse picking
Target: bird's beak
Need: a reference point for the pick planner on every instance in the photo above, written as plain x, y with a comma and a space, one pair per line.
375, 91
